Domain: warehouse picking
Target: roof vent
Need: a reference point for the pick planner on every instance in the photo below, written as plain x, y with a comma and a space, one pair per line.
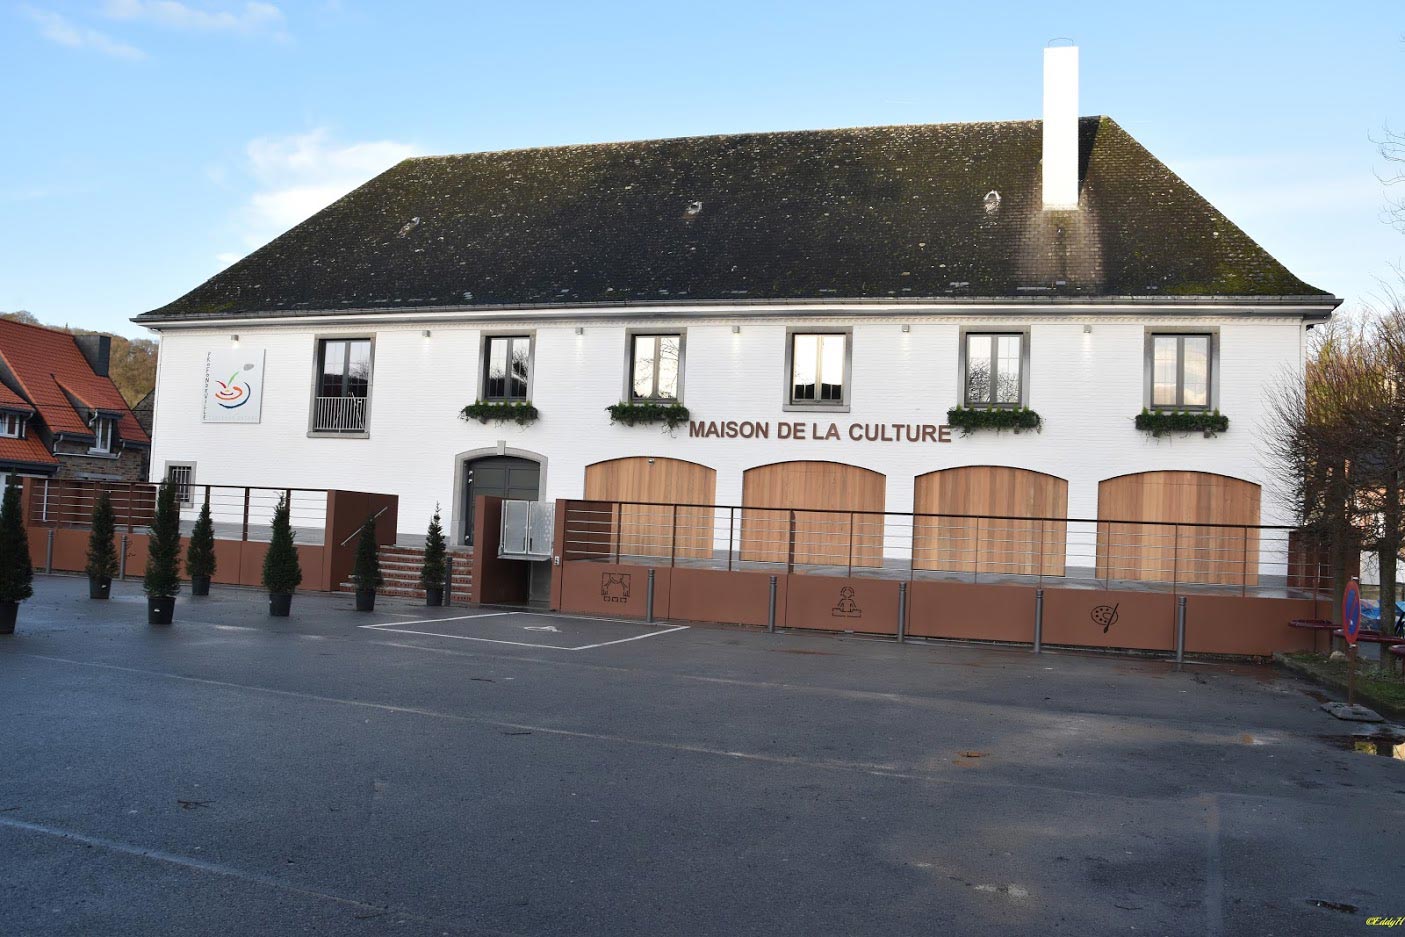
1060, 164
694, 208
409, 226
992, 201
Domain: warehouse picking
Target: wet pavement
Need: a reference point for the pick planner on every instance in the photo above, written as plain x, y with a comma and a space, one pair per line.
442, 773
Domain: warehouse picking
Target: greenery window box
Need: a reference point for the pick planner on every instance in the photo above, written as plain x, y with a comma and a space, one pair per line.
673, 415
492, 411
1161, 422
970, 419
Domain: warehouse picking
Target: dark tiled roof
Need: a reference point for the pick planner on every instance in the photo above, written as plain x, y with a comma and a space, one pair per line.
946, 210
57, 380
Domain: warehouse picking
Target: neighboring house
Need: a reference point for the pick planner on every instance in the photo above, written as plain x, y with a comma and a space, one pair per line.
145, 410
60, 414
818, 300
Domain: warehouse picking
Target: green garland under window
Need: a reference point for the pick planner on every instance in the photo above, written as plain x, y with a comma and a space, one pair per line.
996, 418
673, 415
1161, 422
523, 414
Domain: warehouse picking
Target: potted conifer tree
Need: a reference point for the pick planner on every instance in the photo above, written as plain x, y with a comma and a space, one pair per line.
16, 571
162, 579
281, 572
366, 571
102, 555
432, 570
200, 554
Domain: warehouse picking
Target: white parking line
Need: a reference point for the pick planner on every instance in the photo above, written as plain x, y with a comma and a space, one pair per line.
398, 626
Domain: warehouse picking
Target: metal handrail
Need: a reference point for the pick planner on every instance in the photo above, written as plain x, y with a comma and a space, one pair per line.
358, 530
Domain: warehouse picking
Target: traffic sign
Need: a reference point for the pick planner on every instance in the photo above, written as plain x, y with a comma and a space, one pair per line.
1351, 612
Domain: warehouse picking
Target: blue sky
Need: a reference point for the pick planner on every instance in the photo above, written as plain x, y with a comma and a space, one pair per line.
149, 143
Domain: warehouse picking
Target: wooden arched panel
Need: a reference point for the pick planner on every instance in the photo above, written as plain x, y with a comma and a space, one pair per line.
649, 529
827, 534
1174, 551
991, 542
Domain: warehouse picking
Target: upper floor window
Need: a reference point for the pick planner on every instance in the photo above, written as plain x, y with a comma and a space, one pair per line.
994, 369
818, 365
12, 425
103, 433
507, 363
1180, 366
343, 384
655, 365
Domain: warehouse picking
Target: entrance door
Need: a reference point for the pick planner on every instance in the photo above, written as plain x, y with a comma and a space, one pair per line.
498, 477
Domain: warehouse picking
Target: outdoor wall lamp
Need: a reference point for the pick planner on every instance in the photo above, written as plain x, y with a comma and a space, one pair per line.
234, 339
736, 330
906, 329
1087, 330
425, 333
580, 330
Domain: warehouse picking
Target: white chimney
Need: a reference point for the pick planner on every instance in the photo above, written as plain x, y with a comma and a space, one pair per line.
1060, 127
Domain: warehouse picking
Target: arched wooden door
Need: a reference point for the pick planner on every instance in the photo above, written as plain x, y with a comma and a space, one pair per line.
649, 529
996, 540
818, 500
1173, 550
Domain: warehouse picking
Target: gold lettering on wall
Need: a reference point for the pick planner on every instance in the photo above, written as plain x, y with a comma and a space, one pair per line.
823, 432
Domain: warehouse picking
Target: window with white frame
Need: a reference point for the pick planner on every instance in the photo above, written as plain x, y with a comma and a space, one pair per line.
12, 425
104, 428
507, 364
654, 368
995, 369
819, 362
1181, 366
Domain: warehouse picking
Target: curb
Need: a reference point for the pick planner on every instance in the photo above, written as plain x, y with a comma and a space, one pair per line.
1389, 710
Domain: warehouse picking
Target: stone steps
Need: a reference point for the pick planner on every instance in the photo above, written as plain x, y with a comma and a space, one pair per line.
400, 567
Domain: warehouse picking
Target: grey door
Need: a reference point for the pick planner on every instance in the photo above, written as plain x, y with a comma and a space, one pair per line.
498, 477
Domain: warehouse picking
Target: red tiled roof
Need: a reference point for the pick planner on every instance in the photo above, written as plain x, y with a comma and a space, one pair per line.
11, 400
29, 450
46, 362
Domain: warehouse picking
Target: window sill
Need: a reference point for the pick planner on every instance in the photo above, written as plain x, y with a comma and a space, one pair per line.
815, 408
332, 434
92, 454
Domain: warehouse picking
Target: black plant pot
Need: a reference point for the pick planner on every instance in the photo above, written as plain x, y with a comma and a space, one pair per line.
365, 600
199, 585
9, 611
160, 609
280, 604
99, 587
434, 597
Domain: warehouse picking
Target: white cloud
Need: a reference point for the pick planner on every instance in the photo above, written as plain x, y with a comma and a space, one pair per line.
250, 18
297, 176
56, 27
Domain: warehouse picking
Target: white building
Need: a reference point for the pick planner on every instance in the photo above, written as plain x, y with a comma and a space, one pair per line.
890, 261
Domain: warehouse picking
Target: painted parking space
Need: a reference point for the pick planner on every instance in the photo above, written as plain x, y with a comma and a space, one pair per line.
531, 629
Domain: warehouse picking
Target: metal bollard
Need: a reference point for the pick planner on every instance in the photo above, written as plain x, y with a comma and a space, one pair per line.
448, 580
49, 556
902, 612
1180, 631
1038, 621
122, 560
771, 610
649, 599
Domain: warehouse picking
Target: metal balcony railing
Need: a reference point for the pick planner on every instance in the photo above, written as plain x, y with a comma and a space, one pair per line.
339, 415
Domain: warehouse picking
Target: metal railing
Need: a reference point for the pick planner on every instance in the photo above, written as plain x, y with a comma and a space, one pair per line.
1233, 558
339, 414
239, 512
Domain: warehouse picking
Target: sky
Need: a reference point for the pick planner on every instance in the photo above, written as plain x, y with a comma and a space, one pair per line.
147, 144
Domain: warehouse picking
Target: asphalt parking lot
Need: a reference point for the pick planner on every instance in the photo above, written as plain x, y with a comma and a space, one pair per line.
444, 773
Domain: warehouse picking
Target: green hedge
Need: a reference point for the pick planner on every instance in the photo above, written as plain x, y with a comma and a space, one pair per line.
673, 415
996, 418
523, 414
1161, 422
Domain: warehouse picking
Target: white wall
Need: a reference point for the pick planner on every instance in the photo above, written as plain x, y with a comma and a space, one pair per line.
1087, 388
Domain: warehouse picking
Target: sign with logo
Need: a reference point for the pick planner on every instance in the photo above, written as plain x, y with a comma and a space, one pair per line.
1351, 612
234, 385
